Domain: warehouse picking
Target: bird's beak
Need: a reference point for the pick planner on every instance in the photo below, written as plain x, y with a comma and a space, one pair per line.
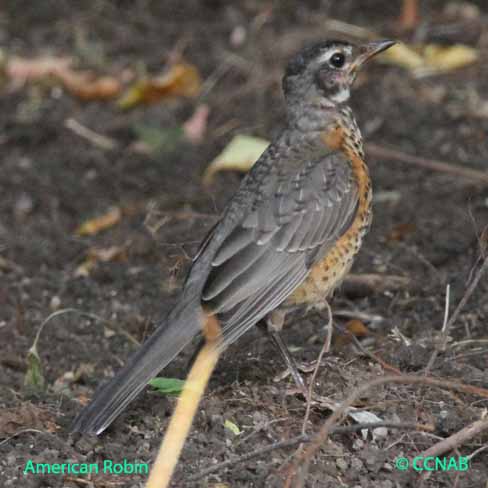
367, 51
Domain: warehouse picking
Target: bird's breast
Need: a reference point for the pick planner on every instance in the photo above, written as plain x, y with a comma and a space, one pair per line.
329, 272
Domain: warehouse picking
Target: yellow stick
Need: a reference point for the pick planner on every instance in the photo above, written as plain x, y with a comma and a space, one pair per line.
186, 407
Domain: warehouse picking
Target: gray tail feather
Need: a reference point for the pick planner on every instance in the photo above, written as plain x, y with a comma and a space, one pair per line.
182, 324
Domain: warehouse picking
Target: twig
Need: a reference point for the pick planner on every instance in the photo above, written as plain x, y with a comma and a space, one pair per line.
52, 436
381, 152
441, 345
472, 286
300, 467
409, 18
98, 140
20, 432
468, 342
373, 356
325, 348
457, 439
88, 315
304, 438
188, 401
472, 354
478, 451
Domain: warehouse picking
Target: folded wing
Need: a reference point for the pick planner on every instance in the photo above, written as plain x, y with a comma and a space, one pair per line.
297, 217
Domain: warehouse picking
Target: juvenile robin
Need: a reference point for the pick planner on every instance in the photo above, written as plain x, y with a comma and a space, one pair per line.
285, 240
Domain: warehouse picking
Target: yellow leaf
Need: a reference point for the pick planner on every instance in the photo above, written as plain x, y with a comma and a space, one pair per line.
402, 55
95, 256
229, 425
85, 268
182, 80
430, 58
97, 224
449, 58
239, 155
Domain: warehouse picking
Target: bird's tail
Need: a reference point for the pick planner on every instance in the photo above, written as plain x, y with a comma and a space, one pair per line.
182, 324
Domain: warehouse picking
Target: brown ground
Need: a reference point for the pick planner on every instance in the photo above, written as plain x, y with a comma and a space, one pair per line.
425, 228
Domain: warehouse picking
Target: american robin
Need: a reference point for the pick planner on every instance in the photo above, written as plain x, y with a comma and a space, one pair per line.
288, 236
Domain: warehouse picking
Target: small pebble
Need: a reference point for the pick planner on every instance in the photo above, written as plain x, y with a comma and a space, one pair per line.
342, 464
357, 464
55, 303
358, 444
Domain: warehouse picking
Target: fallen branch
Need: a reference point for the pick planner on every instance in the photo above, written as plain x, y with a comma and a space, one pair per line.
299, 470
457, 439
473, 175
304, 438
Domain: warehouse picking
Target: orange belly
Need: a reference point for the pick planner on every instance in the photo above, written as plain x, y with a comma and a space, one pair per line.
327, 274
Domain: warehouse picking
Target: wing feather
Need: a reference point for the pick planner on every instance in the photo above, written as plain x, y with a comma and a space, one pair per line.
300, 212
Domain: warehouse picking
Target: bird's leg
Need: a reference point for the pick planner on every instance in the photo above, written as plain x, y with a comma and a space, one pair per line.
272, 326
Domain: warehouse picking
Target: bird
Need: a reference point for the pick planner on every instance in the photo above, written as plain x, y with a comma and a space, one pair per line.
287, 237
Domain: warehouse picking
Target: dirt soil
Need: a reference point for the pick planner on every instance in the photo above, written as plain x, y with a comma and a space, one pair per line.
426, 229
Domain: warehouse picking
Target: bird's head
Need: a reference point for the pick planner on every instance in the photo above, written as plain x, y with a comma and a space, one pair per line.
325, 71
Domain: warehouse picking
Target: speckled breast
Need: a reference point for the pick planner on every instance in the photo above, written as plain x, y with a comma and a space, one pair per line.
328, 273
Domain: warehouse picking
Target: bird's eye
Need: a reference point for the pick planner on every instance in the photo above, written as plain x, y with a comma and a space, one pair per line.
337, 60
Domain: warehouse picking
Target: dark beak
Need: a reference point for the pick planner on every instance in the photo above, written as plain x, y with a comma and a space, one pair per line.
367, 51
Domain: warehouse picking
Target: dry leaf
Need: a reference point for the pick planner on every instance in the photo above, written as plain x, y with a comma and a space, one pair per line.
357, 328
356, 414
21, 70
63, 382
86, 86
95, 256
366, 417
83, 399
402, 55
431, 58
82, 84
103, 222
182, 80
239, 155
195, 127
449, 58
400, 231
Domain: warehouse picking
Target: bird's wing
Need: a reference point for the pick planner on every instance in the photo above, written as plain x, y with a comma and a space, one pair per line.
300, 211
